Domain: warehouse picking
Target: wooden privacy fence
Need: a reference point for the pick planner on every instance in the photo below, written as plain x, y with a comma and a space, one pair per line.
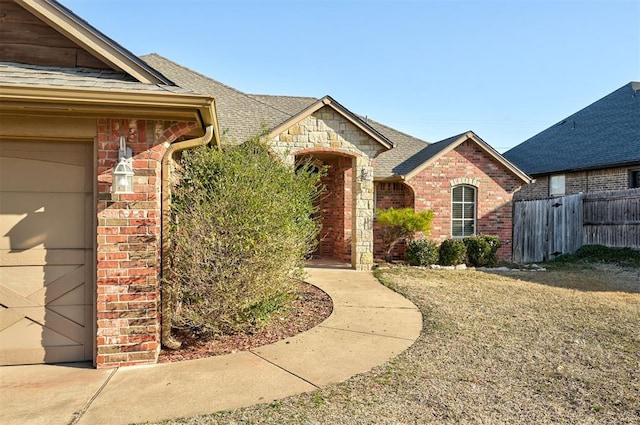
546, 228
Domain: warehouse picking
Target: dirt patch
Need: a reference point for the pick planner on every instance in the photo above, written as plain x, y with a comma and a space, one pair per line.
311, 308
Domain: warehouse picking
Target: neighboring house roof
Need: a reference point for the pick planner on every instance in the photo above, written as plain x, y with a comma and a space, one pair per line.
605, 134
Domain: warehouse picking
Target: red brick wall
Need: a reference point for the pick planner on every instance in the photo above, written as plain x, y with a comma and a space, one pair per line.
582, 181
128, 242
390, 195
495, 187
336, 210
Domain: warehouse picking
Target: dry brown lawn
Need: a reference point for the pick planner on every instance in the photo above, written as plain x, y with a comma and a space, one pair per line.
561, 346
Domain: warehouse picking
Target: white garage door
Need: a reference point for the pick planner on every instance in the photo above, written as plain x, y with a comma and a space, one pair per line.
46, 240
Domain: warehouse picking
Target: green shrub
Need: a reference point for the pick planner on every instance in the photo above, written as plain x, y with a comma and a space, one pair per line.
452, 252
605, 254
399, 224
241, 228
482, 251
422, 252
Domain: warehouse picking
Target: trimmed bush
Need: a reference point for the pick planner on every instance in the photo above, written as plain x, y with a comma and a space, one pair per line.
605, 254
242, 228
422, 252
399, 224
452, 252
482, 251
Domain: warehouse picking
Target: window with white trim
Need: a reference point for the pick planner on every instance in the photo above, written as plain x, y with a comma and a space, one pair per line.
463, 211
557, 185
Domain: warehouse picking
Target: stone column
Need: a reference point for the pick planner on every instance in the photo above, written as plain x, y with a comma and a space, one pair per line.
363, 205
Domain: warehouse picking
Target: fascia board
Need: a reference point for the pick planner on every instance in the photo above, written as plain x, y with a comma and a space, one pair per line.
92, 40
84, 101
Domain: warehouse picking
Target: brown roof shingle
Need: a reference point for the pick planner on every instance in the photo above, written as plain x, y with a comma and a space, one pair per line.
242, 115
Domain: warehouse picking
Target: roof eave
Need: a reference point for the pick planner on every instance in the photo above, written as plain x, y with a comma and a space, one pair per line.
92, 40
633, 162
50, 100
328, 101
470, 135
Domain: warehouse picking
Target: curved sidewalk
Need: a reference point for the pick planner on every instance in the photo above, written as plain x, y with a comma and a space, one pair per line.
369, 325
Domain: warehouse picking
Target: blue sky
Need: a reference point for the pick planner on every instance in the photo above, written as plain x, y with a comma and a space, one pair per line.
504, 69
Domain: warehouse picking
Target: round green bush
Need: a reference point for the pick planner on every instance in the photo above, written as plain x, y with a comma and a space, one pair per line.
452, 252
422, 252
482, 251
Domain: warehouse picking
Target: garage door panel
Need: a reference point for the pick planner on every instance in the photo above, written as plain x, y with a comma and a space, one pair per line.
50, 257
58, 354
27, 330
27, 226
56, 324
75, 313
8, 317
27, 280
46, 242
66, 290
40, 176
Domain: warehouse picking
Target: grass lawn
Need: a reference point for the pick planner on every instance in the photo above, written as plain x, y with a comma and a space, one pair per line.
561, 346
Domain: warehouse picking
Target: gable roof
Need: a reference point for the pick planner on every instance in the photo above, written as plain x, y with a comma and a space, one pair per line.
431, 153
350, 116
605, 134
92, 40
121, 84
241, 116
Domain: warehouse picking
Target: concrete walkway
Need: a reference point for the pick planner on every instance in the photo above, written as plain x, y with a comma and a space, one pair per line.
370, 324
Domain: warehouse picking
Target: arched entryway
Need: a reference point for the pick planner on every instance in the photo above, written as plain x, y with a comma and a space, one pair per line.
335, 205
328, 133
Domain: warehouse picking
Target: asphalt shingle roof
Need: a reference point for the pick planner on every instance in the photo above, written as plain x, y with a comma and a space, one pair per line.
604, 134
48, 76
240, 116
290, 105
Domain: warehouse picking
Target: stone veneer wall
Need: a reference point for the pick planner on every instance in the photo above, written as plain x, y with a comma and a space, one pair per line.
128, 242
468, 164
326, 131
603, 180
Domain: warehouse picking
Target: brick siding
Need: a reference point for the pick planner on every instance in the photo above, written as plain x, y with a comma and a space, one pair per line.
603, 180
390, 195
128, 242
495, 185
335, 210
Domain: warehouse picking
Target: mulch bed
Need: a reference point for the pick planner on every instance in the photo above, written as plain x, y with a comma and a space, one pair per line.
311, 308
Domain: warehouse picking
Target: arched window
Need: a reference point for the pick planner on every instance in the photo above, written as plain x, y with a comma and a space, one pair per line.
463, 211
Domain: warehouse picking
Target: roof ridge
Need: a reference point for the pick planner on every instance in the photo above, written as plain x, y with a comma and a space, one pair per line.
365, 118
275, 108
157, 55
279, 95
